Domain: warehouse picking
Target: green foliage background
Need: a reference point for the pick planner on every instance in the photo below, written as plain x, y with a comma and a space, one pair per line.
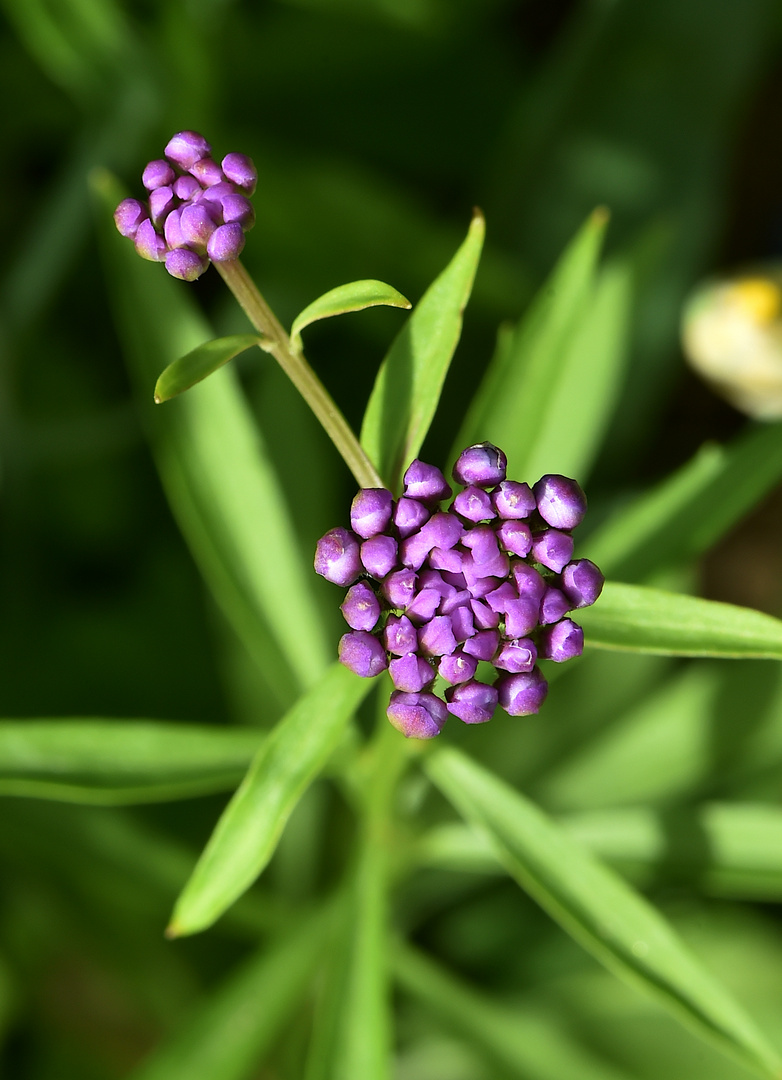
376, 126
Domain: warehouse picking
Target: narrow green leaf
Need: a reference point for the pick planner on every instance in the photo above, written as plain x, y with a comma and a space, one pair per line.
725, 849
533, 383
598, 909
121, 761
197, 364
220, 481
228, 1035
691, 509
407, 389
654, 621
526, 1040
246, 835
355, 296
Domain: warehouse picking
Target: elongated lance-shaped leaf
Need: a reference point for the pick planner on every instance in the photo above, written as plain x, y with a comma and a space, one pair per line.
407, 389
355, 296
228, 1035
598, 909
199, 363
121, 761
536, 372
220, 482
654, 621
526, 1040
246, 835
691, 509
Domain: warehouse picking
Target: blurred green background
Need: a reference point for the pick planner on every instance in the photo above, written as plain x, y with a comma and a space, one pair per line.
376, 126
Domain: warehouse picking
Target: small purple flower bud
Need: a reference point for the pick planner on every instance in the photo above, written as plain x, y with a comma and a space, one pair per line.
522, 694
413, 550
337, 557
482, 645
528, 581
379, 555
443, 530
410, 515
436, 637
463, 622
157, 174
207, 172
553, 606
513, 500
518, 655
473, 702
172, 230
582, 583
213, 195
426, 482
562, 641
186, 148
483, 465
400, 587
431, 579
161, 200
185, 264
454, 599
239, 209
149, 244
474, 504
410, 673
240, 170
482, 542
560, 501
423, 606
226, 243
521, 617
370, 511
362, 653
481, 577
186, 188
417, 716
553, 549
196, 225
399, 635
498, 599
457, 668
128, 216
449, 559
515, 537
360, 607
483, 616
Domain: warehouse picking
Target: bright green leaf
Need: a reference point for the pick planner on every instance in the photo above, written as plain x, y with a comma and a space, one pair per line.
407, 389
354, 296
691, 509
246, 835
228, 1035
196, 365
539, 372
121, 761
597, 908
650, 620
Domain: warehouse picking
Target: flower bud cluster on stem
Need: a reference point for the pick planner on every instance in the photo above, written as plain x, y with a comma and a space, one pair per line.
433, 592
196, 210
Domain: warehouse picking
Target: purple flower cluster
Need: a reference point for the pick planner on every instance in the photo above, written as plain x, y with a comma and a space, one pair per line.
197, 210
432, 591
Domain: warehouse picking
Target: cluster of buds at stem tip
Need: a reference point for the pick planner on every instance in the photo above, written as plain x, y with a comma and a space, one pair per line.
432, 592
196, 210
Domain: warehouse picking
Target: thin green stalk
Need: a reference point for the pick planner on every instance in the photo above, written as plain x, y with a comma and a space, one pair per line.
299, 372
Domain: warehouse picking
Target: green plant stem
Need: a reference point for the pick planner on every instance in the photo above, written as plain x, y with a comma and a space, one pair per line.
299, 372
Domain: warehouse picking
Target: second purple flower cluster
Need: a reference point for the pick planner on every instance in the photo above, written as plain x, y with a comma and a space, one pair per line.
432, 592
197, 210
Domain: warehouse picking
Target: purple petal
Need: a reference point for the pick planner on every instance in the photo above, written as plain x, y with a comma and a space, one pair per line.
426, 482
410, 515
582, 583
518, 655
370, 511
553, 549
457, 668
522, 694
513, 500
157, 174
410, 673
436, 638
226, 243
482, 465
186, 148
128, 216
360, 608
562, 641
337, 557
362, 653
417, 716
515, 537
185, 264
379, 555
474, 504
399, 635
240, 170
473, 702
560, 501
399, 588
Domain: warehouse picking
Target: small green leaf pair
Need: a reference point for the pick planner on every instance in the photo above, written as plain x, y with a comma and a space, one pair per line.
207, 358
